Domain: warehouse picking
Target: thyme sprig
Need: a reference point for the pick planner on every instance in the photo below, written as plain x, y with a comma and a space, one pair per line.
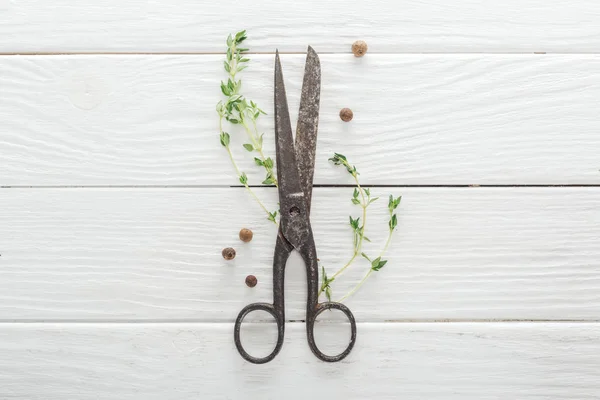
378, 262
237, 110
361, 197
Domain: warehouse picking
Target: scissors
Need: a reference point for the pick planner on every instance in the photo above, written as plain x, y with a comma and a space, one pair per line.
295, 171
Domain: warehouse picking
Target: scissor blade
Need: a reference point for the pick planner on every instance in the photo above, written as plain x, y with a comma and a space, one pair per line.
308, 121
294, 222
287, 170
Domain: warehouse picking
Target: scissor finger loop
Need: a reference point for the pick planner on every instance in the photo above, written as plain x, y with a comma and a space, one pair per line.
238, 326
310, 330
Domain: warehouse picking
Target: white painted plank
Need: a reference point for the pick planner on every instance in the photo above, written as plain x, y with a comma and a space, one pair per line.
388, 26
154, 254
414, 361
419, 119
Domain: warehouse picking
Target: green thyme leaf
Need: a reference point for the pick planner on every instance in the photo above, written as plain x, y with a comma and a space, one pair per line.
272, 216
377, 264
226, 91
393, 222
224, 139
240, 37
248, 147
258, 162
269, 180
243, 179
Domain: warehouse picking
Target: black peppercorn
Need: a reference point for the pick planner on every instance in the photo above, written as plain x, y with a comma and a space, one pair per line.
359, 48
246, 235
251, 281
346, 114
228, 253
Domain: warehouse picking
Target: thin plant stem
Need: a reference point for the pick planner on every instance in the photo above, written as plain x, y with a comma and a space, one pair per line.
358, 244
252, 135
350, 293
364, 279
239, 173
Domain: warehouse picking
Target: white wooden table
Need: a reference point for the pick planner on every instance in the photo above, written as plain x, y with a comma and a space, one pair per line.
115, 199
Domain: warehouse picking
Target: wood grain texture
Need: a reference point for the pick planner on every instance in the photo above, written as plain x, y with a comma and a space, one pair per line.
185, 361
419, 119
388, 26
155, 254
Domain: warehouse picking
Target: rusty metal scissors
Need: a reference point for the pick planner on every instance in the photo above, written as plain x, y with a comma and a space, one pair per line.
295, 171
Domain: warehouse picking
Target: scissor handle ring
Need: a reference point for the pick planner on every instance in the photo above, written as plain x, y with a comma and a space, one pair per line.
238, 325
310, 330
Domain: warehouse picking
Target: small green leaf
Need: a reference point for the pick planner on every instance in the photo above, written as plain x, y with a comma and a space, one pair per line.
355, 194
225, 89
240, 36
373, 199
393, 222
377, 264
268, 181
328, 293
243, 179
355, 201
272, 216
243, 60
365, 256
367, 191
229, 55
268, 162
397, 202
224, 139
234, 121
258, 162
248, 147
367, 239
260, 140
229, 40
